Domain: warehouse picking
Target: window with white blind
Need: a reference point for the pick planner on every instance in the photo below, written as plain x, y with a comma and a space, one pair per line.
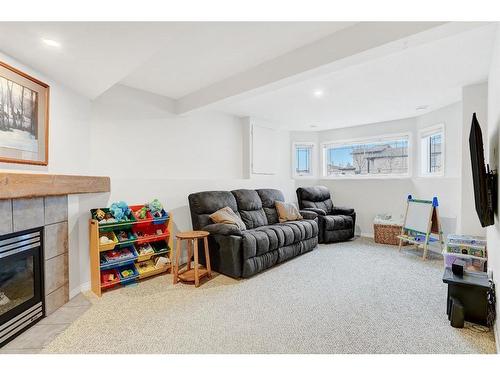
432, 151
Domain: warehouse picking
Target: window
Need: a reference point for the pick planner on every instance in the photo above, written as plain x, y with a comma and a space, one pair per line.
385, 156
432, 151
303, 156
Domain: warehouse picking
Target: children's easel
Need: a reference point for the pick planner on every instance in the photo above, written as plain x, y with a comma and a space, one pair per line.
421, 220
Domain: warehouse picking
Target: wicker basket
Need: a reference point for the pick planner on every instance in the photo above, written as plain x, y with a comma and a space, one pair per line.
387, 234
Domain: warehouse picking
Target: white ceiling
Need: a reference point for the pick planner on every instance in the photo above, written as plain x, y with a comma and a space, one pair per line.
204, 53
384, 89
370, 72
167, 58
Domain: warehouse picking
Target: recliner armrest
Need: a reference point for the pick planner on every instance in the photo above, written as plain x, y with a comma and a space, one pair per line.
342, 211
318, 211
223, 229
308, 215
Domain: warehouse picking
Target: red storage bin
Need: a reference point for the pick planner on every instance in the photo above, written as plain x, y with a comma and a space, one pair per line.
151, 233
105, 278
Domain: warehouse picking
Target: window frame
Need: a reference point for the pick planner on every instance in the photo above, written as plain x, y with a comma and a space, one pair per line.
425, 133
349, 142
312, 146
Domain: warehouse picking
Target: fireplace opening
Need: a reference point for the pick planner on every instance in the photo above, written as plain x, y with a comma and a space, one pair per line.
21, 282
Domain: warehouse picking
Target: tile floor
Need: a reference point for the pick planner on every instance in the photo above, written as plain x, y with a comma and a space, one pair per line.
34, 339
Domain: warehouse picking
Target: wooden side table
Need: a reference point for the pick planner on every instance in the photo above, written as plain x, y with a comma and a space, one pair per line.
197, 272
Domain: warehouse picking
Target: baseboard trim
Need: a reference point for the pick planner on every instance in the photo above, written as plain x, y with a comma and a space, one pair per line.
82, 288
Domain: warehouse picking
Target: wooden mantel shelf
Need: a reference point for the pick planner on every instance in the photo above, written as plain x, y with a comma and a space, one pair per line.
26, 185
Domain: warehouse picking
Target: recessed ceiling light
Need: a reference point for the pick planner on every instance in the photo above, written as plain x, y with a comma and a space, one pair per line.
422, 107
313, 126
51, 42
318, 93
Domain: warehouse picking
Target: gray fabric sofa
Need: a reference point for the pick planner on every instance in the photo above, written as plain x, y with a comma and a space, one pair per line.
264, 243
335, 223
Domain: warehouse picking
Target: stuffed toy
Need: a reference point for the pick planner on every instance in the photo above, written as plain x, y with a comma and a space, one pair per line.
155, 207
100, 214
141, 213
120, 210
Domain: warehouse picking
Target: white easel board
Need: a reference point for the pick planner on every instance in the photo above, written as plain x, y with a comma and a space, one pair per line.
418, 215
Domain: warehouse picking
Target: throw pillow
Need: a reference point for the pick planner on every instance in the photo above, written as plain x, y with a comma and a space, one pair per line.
287, 211
227, 216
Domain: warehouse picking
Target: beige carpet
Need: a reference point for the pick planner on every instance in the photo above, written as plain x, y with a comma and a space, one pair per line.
354, 297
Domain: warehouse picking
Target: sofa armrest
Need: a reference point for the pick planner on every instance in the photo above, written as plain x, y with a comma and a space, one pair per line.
308, 215
318, 211
223, 229
342, 211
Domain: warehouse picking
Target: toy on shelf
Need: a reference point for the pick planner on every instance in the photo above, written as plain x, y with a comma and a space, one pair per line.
145, 249
127, 273
120, 210
161, 262
141, 213
155, 207
104, 217
109, 278
107, 241
118, 254
125, 236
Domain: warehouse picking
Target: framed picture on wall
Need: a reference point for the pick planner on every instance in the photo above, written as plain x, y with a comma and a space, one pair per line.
24, 118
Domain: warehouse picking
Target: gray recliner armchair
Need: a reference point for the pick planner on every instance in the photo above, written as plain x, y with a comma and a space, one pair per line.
335, 223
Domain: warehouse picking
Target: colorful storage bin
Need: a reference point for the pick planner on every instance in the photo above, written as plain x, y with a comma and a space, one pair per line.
144, 251
110, 245
109, 278
113, 258
157, 220
125, 237
151, 233
131, 275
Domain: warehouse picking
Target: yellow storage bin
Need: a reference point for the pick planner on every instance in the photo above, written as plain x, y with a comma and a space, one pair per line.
148, 268
105, 245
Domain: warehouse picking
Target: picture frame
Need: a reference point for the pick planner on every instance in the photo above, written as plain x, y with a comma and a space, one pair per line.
24, 117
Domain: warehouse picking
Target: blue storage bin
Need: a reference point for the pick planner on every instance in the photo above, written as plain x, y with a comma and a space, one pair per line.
162, 219
108, 263
130, 278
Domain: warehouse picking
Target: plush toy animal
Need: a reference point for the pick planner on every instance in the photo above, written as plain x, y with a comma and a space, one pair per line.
120, 210
155, 207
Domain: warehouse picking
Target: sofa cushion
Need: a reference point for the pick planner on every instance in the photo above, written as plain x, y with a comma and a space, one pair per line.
250, 208
260, 240
287, 212
269, 197
302, 229
205, 203
315, 197
227, 216
335, 222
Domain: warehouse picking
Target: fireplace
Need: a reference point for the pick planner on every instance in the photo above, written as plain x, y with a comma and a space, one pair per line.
21, 282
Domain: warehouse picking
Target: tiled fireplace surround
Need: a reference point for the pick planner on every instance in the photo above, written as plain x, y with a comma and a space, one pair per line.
50, 212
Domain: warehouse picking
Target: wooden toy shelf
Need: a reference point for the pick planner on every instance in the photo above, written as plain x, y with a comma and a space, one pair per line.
151, 231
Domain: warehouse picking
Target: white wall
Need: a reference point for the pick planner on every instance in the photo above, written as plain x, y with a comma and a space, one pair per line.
493, 232
69, 133
372, 196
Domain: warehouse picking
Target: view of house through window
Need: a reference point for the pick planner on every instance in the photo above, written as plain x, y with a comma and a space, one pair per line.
303, 159
431, 155
387, 156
